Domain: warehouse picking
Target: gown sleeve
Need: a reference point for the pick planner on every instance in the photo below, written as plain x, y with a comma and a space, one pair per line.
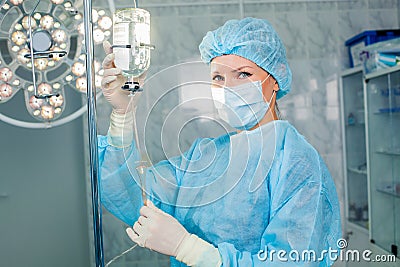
304, 216
120, 188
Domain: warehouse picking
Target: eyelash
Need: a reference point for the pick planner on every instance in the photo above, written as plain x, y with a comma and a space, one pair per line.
220, 78
245, 73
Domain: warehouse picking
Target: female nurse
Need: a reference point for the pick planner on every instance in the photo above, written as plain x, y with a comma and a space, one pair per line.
260, 196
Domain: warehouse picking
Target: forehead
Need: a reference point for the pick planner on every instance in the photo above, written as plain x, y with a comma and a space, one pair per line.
230, 62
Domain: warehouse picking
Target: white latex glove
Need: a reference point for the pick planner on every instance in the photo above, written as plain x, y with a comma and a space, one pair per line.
161, 232
112, 82
157, 230
120, 133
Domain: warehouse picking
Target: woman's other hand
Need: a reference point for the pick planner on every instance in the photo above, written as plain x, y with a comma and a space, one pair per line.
157, 231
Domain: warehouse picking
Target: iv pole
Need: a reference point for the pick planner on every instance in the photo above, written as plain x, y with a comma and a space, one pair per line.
92, 129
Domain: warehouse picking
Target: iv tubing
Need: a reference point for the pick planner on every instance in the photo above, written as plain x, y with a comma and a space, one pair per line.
142, 164
92, 129
120, 255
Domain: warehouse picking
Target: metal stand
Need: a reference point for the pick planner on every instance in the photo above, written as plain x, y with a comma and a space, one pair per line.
93, 153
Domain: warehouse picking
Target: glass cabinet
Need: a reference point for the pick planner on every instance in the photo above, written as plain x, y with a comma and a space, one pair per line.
370, 114
355, 155
383, 145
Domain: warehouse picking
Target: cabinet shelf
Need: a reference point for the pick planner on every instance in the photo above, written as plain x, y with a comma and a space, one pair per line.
361, 223
388, 152
358, 124
389, 191
382, 72
386, 111
356, 170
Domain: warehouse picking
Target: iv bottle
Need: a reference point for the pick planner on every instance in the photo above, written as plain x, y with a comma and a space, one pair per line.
131, 41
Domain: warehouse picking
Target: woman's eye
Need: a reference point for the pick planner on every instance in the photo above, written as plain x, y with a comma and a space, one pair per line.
244, 74
218, 78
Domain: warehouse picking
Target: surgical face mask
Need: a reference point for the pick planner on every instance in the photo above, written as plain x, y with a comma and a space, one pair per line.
242, 106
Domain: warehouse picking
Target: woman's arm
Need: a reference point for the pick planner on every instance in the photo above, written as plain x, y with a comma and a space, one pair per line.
121, 193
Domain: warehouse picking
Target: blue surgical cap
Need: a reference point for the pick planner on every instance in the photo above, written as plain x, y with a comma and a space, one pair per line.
255, 40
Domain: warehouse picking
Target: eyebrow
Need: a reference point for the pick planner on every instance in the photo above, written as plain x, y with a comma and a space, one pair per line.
242, 67
235, 70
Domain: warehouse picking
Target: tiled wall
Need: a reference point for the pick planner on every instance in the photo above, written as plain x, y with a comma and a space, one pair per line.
314, 34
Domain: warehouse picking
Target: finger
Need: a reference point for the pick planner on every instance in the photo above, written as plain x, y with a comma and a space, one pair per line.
132, 234
114, 87
112, 72
142, 220
105, 82
146, 211
107, 47
134, 237
153, 207
150, 212
139, 229
150, 204
117, 84
108, 61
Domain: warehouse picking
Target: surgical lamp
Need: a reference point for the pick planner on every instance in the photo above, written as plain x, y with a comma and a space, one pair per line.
56, 61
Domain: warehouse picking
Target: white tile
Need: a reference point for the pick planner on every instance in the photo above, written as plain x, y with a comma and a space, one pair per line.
322, 32
300, 76
289, 7
260, 10
352, 4
324, 74
383, 19
351, 23
382, 4
322, 6
291, 27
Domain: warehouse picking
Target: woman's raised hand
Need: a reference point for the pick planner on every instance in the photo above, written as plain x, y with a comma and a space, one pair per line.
112, 82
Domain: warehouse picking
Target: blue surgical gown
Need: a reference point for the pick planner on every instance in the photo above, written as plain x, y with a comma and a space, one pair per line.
261, 190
